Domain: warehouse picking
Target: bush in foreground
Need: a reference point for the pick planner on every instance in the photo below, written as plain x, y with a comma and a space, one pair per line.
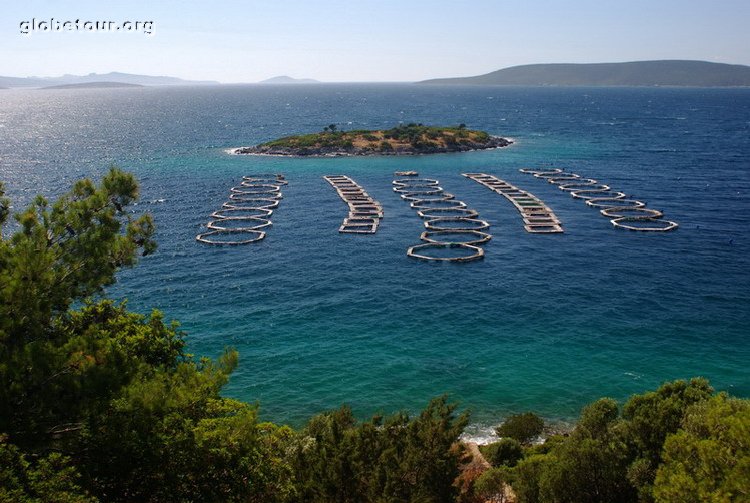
678, 443
490, 486
708, 459
521, 427
506, 452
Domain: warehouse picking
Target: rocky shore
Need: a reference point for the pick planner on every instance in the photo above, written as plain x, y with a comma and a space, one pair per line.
330, 151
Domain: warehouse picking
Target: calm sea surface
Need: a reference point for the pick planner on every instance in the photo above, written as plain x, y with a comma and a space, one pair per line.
544, 323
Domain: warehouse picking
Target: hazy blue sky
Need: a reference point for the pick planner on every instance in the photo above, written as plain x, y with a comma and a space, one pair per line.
365, 40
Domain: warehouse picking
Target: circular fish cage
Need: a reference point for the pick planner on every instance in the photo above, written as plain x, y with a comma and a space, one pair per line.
453, 230
246, 212
623, 211
471, 252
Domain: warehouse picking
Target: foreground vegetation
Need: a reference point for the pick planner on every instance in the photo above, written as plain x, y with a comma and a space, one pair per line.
403, 139
101, 404
680, 443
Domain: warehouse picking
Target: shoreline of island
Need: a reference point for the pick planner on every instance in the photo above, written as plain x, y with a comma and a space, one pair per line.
403, 140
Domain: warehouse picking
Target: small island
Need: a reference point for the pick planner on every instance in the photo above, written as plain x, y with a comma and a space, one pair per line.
286, 79
410, 139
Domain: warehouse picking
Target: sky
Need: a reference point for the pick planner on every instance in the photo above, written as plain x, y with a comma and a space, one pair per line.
235, 41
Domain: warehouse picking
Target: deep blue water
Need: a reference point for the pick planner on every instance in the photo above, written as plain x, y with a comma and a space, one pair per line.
544, 323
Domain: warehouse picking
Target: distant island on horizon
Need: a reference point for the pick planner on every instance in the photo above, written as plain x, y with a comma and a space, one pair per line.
99, 78
409, 139
678, 73
94, 85
667, 73
285, 79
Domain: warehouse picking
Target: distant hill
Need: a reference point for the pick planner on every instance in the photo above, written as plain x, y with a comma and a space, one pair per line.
93, 85
125, 78
636, 73
285, 79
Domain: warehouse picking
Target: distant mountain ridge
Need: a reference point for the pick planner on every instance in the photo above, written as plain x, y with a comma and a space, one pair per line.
94, 85
285, 79
636, 73
124, 78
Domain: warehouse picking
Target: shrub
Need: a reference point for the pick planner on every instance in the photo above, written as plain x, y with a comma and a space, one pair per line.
481, 136
522, 427
50, 478
709, 458
490, 486
396, 458
505, 452
650, 418
527, 475
591, 465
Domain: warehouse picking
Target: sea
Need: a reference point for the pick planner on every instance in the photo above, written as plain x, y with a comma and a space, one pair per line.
544, 323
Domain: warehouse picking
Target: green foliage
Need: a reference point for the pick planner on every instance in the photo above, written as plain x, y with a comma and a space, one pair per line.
51, 478
62, 254
481, 136
505, 452
550, 443
391, 459
428, 138
66, 253
609, 457
94, 353
709, 458
591, 466
4, 208
597, 418
114, 390
650, 418
527, 476
170, 435
522, 427
490, 486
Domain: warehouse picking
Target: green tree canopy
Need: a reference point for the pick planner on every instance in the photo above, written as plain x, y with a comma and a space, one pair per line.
610, 456
650, 418
506, 451
99, 402
396, 458
61, 254
522, 427
590, 467
709, 458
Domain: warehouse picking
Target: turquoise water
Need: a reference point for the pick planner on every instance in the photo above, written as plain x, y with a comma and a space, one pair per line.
544, 322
